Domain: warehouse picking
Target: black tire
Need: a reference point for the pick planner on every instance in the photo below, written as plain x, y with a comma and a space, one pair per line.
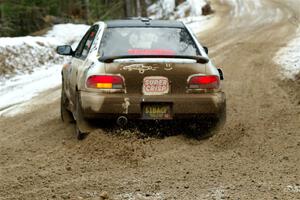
206, 127
65, 114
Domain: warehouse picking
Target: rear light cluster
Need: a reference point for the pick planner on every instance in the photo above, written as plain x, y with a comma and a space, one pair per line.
105, 82
204, 82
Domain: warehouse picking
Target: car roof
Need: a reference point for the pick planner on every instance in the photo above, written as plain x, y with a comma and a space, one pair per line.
144, 22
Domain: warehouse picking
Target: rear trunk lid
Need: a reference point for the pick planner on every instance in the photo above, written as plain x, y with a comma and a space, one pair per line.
155, 76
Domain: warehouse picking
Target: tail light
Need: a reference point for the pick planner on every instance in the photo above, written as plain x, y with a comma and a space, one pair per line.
204, 82
105, 82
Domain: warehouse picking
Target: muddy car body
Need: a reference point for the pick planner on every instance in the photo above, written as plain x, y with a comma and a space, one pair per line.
139, 69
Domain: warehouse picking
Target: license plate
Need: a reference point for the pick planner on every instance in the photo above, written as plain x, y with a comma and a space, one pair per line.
157, 111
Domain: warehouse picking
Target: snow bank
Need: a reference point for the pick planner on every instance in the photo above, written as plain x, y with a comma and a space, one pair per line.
21, 55
29, 65
161, 9
289, 57
196, 6
60, 34
168, 6
67, 33
28, 40
165, 9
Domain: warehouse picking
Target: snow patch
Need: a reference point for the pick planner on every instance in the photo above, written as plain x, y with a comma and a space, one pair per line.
189, 12
21, 58
21, 55
168, 6
161, 9
196, 6
166, 9
67, 33
24, 87
254, 8
289, 57
60, 34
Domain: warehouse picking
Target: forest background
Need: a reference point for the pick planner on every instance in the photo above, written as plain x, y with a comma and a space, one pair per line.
24, 17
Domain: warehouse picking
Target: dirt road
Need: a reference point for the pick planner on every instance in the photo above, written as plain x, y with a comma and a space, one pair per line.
255, 156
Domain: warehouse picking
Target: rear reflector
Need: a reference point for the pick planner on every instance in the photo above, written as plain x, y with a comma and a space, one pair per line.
105, 82
204, 82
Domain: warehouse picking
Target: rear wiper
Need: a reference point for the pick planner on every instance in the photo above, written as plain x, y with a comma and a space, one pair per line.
110, 59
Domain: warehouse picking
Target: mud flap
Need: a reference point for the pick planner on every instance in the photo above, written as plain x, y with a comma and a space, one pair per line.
83, 126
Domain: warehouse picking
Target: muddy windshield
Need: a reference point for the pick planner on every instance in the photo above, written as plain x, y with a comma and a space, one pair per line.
147, 41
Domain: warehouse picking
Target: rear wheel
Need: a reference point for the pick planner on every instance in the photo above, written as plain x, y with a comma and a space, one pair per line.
206, 127
216, 123
65, 114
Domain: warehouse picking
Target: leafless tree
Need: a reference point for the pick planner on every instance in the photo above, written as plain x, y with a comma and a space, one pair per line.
138, 8
128, 8
87, 9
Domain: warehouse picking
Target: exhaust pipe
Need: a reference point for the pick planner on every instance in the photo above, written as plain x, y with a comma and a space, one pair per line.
122, 121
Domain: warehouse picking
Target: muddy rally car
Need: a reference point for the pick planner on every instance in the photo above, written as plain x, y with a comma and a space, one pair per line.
140, 70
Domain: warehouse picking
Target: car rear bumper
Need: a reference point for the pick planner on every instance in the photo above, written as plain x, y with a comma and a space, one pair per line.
99, 105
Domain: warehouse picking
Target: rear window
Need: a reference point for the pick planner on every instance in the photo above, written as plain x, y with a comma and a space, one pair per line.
147, 41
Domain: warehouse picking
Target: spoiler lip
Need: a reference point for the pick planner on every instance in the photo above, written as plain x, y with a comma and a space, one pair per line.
110, 59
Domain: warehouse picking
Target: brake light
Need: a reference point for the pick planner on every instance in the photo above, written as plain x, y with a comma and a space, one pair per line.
204, 82
105, 82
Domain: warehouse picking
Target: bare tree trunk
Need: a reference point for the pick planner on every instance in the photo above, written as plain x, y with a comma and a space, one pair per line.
138, 8
144, 8
128, 8
1, 12
87, 10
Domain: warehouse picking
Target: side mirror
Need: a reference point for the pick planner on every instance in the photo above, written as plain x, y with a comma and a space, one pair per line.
65, 50
221, 74
205, 49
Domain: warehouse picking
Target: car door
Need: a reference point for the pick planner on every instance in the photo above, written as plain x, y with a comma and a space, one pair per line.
79, 59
